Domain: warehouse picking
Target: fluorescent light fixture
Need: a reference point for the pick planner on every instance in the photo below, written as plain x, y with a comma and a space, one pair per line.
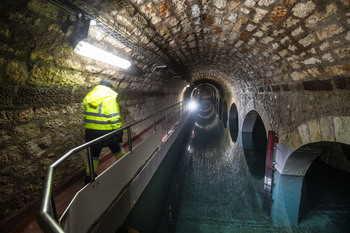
192, 106
85, 49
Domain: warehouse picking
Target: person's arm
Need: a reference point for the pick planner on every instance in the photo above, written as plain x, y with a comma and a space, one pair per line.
113, 114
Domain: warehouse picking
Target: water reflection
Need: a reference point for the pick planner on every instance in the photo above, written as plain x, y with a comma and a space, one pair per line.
218, 188
226, 188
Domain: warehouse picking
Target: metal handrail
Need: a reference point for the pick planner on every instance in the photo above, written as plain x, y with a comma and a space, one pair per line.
47, 215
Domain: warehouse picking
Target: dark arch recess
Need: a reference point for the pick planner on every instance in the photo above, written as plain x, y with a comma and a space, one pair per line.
233, 122
254, 144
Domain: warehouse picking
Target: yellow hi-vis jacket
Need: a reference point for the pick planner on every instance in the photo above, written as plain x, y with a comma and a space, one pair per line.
101, 110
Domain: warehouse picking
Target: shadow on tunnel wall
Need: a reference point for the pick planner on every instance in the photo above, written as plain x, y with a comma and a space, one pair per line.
326, 189
327, 180
254, 143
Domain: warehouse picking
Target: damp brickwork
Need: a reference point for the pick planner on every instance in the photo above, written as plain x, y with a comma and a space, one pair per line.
252, 41
286, 59
312, 116
42, 85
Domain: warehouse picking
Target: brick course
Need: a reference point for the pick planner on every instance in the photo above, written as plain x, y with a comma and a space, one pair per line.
288, 60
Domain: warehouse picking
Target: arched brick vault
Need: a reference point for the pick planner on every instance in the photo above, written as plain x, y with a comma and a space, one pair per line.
287, 59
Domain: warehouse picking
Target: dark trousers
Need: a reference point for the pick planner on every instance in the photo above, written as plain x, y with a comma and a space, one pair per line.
112, 142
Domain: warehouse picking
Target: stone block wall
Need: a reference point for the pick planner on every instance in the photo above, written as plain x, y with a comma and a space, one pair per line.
42, 85
288, 60
34, 133
288, 108
40, 103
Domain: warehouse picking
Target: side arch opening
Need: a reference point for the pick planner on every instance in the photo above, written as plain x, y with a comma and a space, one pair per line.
336, 155
233, 122
254, 144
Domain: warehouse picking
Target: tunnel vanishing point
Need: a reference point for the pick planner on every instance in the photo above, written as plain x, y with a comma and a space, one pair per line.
286, 62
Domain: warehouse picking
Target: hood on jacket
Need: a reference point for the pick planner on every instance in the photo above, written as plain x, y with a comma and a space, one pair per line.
98, 94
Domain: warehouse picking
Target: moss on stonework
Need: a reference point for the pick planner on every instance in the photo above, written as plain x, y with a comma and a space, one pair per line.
42, 75
2, 70
342, 125
16, 72
9, 155
24, 39
7, 51
54, 28
18, 17
68, 63
28, 131
40, 38
4, 31
44, 7
38, 55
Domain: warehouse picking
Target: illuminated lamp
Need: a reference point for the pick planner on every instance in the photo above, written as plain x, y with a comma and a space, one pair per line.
81, 47
85, 49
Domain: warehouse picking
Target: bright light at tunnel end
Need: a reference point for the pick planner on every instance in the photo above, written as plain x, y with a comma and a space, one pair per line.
192, 105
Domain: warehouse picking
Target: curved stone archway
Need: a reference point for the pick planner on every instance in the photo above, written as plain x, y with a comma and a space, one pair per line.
254, 143
334, 154
286, 60
257, 107
293, 159
331, 128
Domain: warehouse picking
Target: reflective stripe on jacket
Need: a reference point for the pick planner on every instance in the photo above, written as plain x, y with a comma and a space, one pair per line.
101, 110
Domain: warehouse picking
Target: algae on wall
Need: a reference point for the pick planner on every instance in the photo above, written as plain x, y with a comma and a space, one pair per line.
42, 85
41, 92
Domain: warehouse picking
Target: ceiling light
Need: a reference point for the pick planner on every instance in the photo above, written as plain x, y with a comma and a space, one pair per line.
85, 49
159, 67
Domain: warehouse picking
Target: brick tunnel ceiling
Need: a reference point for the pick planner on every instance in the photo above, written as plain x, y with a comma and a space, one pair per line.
245, 43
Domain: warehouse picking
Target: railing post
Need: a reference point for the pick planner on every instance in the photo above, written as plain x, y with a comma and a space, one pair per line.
91, 165
129, 139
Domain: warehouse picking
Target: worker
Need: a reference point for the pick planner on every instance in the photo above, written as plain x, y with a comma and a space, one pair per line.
102, 116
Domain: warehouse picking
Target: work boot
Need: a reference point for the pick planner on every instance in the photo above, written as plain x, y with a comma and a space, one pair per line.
120, 154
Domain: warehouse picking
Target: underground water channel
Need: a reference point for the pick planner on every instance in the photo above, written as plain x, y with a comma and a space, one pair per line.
207, 183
